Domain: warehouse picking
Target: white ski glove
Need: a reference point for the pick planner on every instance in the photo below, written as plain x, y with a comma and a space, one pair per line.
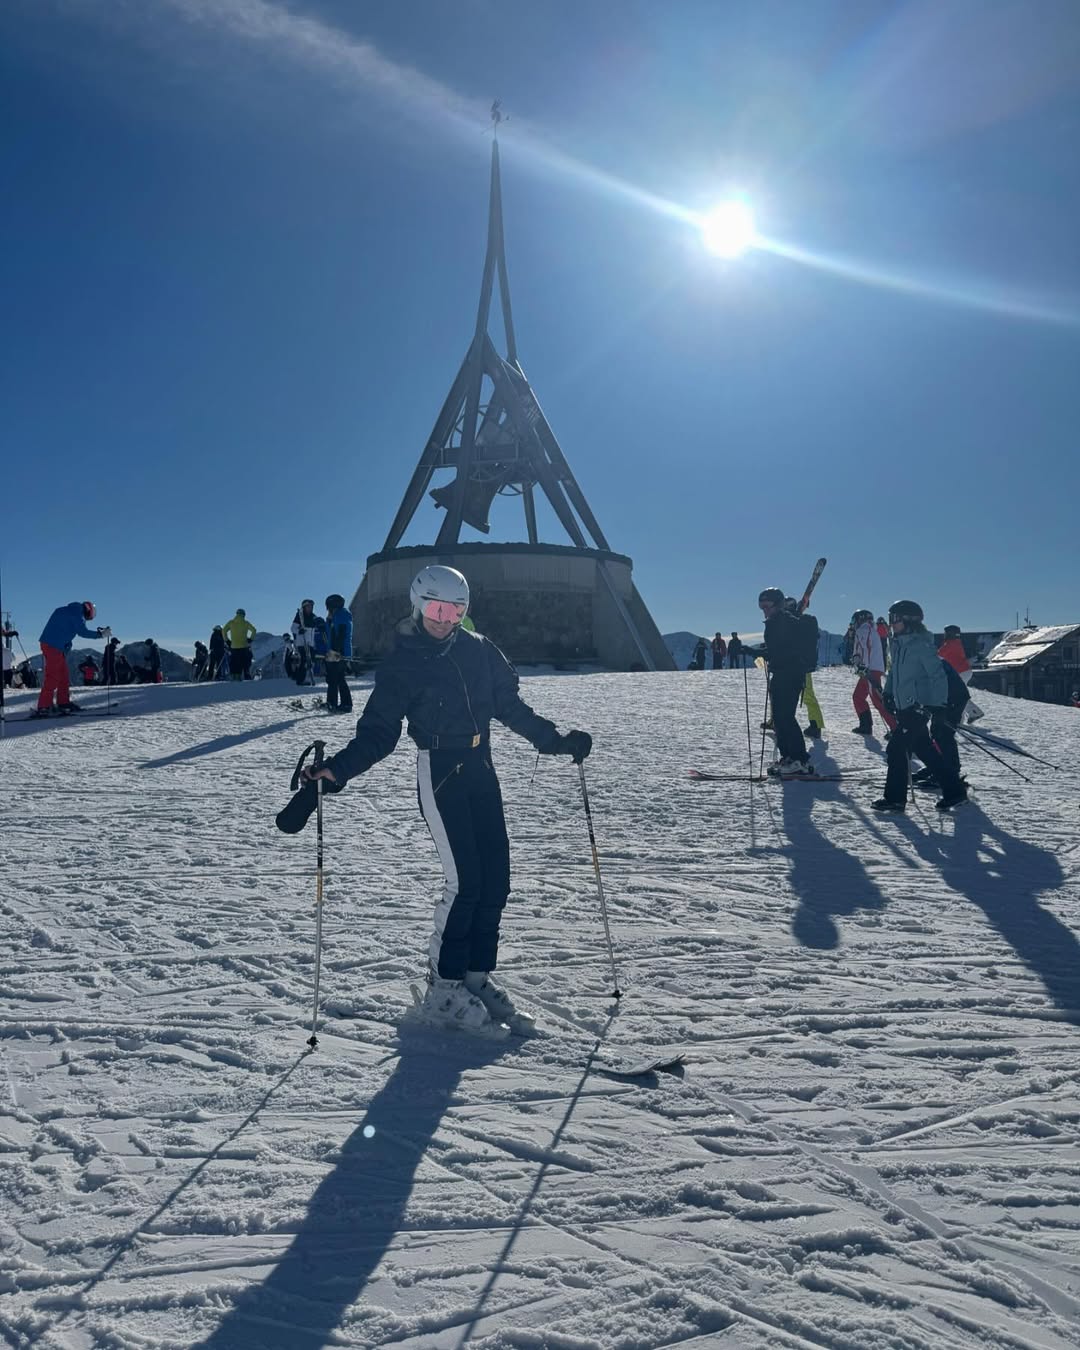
105, 632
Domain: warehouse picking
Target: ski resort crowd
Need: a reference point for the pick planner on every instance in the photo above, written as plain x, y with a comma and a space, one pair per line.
922, 702
445, 682
313, 645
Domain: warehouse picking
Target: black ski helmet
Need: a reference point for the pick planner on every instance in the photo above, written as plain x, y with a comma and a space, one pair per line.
791, 604
772, 595
952, 630
906, 610
862, 616
149, 642
335, 601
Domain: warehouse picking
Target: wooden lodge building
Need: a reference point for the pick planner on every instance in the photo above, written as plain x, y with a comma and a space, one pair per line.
1036, 663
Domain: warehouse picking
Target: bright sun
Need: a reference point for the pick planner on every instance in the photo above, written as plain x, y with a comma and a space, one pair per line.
728, 229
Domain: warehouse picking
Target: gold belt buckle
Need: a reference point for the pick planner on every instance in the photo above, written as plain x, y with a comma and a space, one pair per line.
475, 741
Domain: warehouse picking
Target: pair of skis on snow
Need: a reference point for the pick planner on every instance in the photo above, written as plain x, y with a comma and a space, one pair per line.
613, 1063
700, 776
54, 716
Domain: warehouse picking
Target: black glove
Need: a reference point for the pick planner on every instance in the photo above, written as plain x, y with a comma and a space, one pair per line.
890, 703
292, 818
576, 744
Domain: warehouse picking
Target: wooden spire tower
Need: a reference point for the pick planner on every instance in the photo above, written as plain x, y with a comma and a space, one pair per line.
569, 602
491, 430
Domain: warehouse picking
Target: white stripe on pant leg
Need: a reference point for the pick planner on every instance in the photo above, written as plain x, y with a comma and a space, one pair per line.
430, 808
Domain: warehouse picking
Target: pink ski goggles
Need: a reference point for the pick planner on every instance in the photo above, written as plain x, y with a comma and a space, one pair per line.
443, 611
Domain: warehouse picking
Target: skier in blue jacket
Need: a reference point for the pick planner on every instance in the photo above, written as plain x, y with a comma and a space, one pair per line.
916, 688
449, 683
339, 650
66, 623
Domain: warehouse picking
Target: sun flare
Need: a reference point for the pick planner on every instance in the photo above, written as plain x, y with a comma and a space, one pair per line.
728, 230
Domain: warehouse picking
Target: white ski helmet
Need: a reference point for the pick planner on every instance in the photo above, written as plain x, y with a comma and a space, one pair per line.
440, 584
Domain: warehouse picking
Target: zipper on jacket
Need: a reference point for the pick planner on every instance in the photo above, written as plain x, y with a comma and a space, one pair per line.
468, 700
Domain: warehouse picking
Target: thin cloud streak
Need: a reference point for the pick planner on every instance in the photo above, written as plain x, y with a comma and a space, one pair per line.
331, 51
317, 45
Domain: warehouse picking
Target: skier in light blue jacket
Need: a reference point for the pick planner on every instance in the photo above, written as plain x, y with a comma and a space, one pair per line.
915, 688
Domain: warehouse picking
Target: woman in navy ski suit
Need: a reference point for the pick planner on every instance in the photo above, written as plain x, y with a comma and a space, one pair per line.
448, 684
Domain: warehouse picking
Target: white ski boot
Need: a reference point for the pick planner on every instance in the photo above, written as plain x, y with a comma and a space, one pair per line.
448, 1005
794, 768
499, 1004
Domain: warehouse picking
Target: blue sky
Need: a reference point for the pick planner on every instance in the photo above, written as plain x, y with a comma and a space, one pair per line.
241, 250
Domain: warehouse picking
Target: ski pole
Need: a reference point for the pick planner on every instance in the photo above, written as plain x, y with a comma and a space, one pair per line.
764, 720
320, 746
1003, 745
974, 740
617, 992
749, 742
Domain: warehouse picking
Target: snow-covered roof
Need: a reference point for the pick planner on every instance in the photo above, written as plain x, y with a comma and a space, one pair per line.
1025, 644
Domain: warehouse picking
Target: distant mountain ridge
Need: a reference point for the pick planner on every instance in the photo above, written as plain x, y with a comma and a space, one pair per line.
267, 649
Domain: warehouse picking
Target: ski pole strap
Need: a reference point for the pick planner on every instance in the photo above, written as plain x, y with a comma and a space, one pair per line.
318, 747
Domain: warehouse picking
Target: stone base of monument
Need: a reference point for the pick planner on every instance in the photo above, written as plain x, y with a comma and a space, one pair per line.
541, 603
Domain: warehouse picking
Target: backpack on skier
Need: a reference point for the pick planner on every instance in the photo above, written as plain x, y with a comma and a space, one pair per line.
958, 698
808, 634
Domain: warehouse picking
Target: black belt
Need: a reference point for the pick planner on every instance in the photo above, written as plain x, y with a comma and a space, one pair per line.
454, 742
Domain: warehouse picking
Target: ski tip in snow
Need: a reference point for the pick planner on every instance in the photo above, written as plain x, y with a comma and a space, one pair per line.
629, 1066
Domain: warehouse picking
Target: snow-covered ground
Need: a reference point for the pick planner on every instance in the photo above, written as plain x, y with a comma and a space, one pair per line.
874, 1142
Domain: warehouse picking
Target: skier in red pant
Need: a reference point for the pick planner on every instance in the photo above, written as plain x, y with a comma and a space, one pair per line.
65, 624
869, 660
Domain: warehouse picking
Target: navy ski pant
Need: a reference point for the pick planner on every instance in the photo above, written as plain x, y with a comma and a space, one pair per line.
461, 802
785, 687
338, 694
912, 736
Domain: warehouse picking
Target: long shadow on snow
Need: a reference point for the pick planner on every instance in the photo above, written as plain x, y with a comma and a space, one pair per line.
357, 1209
218, 744
827, 880
1005, 885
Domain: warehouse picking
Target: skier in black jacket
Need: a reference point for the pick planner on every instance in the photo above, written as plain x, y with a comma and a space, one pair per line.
735, 651
785, 648
217, 653
449, 683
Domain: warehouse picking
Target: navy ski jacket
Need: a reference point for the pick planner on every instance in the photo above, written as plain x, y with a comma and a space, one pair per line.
785, 644
449, 692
